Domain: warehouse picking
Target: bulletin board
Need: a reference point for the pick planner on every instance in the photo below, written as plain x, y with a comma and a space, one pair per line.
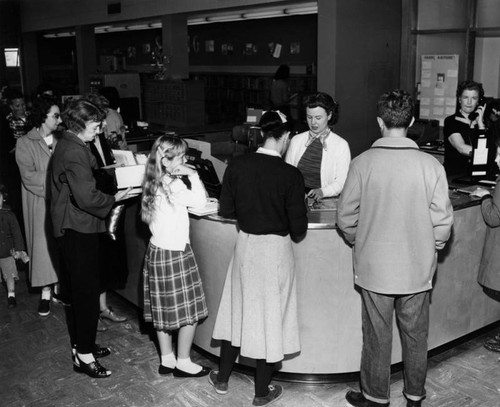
438, 86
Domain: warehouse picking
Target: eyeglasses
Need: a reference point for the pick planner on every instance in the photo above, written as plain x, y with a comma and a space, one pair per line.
56, 115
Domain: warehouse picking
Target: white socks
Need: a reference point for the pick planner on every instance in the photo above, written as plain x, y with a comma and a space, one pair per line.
45, 293
11, 294
169, 360
86, 357
182, 364
187, 366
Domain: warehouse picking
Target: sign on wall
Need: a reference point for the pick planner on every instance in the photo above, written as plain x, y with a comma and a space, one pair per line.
438, 86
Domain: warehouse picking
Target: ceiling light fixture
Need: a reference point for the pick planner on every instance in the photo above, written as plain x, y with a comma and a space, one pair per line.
310, 8
264, 14
225, 18
302, 8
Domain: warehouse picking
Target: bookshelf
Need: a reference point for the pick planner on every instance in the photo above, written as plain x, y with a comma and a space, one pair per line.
228, 95
174, 102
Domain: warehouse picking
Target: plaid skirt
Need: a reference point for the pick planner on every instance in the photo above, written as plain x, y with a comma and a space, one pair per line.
173, 293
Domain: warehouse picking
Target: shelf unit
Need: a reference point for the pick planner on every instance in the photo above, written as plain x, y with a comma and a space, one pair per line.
174, 103
228, 95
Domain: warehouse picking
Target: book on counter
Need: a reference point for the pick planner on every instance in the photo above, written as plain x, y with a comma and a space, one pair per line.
212, 206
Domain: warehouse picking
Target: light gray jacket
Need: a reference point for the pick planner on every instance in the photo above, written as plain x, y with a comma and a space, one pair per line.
395, 210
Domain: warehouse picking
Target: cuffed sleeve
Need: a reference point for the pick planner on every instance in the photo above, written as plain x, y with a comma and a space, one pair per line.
441, 212
348, 207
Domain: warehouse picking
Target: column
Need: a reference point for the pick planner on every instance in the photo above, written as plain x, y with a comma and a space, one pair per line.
175, 45
85, 56
327, 45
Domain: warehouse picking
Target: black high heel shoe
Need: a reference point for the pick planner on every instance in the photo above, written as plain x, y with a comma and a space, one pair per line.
100, 351
92, 369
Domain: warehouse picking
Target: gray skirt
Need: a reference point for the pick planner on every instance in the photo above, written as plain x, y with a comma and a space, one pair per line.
258, 308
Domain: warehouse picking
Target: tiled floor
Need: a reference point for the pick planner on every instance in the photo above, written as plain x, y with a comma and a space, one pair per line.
36, 370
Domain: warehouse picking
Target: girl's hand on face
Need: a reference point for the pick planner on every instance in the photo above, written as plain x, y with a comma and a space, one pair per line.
184, 169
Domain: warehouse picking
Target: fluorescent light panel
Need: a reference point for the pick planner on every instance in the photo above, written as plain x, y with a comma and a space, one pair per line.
303, 8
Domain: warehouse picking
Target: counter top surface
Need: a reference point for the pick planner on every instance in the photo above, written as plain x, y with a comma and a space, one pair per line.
325, 218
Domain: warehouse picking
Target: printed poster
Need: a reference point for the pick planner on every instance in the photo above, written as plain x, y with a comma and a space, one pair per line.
438, 86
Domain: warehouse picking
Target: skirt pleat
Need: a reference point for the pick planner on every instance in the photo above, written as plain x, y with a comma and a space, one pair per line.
258, 308
173, 292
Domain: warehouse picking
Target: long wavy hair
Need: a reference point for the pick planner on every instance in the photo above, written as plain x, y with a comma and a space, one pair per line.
167, 147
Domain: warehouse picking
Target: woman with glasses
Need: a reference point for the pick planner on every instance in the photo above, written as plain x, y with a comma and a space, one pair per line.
322, 156
78, 210
33, 153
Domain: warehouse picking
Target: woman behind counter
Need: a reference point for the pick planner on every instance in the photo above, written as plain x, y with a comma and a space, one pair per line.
78, 210
322, 156
33, 153
462, 129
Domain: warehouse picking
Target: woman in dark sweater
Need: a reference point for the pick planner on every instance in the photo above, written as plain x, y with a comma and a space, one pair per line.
257, 315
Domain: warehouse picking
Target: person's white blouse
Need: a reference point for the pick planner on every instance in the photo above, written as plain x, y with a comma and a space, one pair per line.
170, 225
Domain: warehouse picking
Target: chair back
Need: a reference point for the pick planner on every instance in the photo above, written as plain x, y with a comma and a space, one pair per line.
240, 134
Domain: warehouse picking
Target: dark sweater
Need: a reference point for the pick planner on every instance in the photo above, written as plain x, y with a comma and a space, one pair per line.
10, 233
265, 195
454, 162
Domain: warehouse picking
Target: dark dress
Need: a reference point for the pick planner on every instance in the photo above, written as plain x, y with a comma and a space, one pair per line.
113, 262
454, 162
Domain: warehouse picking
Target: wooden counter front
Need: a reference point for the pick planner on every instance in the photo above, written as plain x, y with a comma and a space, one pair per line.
328, 303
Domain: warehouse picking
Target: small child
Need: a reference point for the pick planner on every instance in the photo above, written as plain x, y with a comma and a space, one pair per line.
173, 292
11, 247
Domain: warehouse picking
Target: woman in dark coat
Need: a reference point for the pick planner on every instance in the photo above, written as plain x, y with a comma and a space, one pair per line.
78, 210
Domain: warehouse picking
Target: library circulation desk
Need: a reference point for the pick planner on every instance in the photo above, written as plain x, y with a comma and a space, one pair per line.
329, 305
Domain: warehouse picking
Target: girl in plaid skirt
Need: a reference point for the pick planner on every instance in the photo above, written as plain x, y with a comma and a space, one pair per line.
173, 293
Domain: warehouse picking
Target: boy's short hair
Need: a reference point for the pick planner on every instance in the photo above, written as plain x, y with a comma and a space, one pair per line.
395, 108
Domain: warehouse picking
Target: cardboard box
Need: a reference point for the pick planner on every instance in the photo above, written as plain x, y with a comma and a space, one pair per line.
129, 176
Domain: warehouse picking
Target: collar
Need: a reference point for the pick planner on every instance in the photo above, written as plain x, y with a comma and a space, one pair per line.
267, 151
322, 138
70, 136
395, 142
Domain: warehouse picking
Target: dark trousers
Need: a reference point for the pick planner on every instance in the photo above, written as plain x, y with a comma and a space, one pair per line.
79, 281
412, 317
263, 370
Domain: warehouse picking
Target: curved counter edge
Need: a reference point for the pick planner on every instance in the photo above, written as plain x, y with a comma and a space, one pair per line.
329, 303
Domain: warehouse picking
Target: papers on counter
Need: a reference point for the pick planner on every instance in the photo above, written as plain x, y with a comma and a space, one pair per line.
211, 207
